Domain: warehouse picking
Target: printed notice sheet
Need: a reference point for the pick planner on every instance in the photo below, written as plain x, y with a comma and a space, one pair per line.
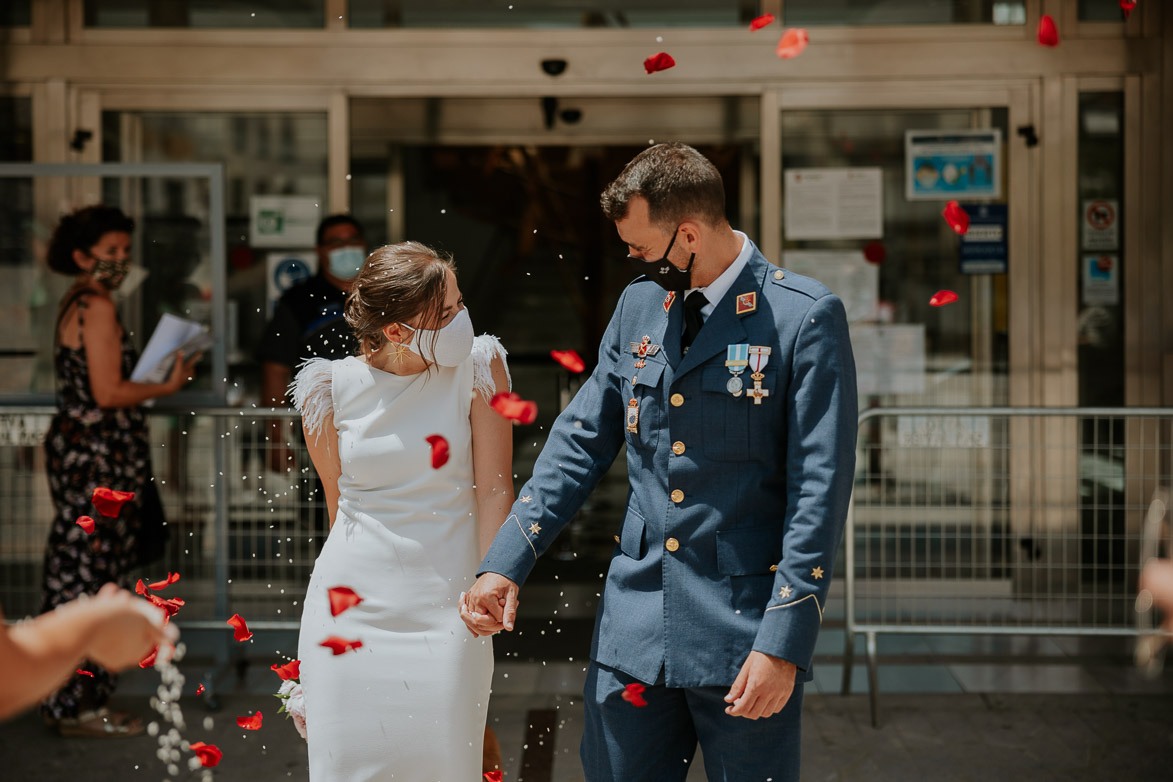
173, 334
834, 203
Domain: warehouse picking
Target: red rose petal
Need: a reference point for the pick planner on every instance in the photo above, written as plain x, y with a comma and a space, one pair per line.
149, 660
209, 754
941, 298
440, 450
792, 42
140, 588
569, 359
633, 694
171, 579
515, 408
241, 629
250, 723
342, 598
85, 673
1048, 32
765, 20
170, 605
109, 502
875, 252
86, 523
659, 62
340, 645
290, 670
493, 776
957, 217
1127, 7
200, 690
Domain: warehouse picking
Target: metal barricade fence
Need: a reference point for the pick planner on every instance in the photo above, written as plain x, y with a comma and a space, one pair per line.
999, 521
244, 535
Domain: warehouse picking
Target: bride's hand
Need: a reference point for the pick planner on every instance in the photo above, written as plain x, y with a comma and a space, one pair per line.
490, 606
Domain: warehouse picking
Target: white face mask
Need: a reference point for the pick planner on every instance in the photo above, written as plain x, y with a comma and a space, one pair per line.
453, 343
345, 262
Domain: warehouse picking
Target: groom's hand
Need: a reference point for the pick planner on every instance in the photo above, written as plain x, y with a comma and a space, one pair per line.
491, 605
762, 688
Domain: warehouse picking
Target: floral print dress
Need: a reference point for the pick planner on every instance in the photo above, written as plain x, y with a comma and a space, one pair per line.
88, 446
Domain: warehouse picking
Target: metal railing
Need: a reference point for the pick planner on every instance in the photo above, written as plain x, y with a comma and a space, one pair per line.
999, 521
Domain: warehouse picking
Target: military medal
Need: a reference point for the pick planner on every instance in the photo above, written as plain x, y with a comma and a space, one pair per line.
633, 416
759, 356
736, 360
642, 350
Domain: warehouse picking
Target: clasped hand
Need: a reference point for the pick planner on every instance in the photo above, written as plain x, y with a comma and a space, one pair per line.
490, 606
762, 688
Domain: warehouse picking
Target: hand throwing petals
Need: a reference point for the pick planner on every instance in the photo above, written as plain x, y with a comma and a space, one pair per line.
569, 359
342, 598
209, 754
340, 645
440, 452
250, 723
149, 660
171, 579
941, 298
659, 62
1048, 32
291, 670
957, 218
86, 523
633, 694
515, 408
765, 20
242, 633
792, 43
109, 502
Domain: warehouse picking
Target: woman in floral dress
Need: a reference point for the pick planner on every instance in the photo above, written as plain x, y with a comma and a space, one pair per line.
98, 438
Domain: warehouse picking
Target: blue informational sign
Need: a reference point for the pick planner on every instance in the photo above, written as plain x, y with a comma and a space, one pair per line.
983, 247
944, 165
289, 272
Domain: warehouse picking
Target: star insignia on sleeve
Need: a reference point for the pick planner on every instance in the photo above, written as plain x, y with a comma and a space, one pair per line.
817, 573
785, 591
527, 498
534, 529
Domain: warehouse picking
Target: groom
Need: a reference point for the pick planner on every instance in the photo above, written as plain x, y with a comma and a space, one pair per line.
732, 384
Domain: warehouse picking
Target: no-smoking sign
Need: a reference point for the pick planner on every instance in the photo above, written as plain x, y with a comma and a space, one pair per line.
1101, 224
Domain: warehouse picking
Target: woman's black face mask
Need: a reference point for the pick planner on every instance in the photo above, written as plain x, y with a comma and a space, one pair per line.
663, 273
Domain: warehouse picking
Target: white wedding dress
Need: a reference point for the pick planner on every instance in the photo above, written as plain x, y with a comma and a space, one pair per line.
410, 704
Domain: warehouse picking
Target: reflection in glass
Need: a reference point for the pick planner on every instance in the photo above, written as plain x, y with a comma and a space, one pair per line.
20, 291
249, 14
1100, 11
551, 14
892, 12
272, 153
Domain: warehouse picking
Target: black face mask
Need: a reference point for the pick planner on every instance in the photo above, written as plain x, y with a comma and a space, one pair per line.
663, 273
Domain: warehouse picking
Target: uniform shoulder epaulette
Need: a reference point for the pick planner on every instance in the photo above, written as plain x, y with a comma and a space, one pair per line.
796, 282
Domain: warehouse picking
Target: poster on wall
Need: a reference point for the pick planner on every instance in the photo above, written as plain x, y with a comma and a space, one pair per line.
283, 221
1101, 279
889, 359
983, 246
846, 272
286, 269
834, 203
944, 165
1101, 224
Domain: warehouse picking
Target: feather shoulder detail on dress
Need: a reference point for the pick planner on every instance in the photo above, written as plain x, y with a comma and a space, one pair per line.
311, 393
484, 349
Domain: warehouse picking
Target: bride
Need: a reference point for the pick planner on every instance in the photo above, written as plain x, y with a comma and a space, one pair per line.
417, 470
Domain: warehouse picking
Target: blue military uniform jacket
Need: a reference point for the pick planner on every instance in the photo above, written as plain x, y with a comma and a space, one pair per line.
735, 509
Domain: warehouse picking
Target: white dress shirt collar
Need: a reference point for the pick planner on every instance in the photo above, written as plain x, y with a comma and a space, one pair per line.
716, 290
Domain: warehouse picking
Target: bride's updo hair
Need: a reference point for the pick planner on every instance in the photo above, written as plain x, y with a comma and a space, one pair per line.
397, 283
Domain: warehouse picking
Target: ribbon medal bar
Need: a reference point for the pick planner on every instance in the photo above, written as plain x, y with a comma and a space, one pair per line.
759, 356
736, 360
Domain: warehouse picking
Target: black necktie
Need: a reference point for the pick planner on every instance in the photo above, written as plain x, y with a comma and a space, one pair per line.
693, 320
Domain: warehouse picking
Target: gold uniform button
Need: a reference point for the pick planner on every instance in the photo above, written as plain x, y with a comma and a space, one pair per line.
616, 538
779, 274
677, 400
677, 447
773, 568
677, 495
671, 544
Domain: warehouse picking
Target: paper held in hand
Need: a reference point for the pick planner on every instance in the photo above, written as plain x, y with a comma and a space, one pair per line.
173, 334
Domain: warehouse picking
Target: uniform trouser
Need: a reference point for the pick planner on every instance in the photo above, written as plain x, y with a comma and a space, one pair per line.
656, 743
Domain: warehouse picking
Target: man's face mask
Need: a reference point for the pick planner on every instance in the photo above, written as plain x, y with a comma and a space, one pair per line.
110, 273
345, 262
663, 273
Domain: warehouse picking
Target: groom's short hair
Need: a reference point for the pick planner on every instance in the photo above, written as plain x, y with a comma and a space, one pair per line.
678, 183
